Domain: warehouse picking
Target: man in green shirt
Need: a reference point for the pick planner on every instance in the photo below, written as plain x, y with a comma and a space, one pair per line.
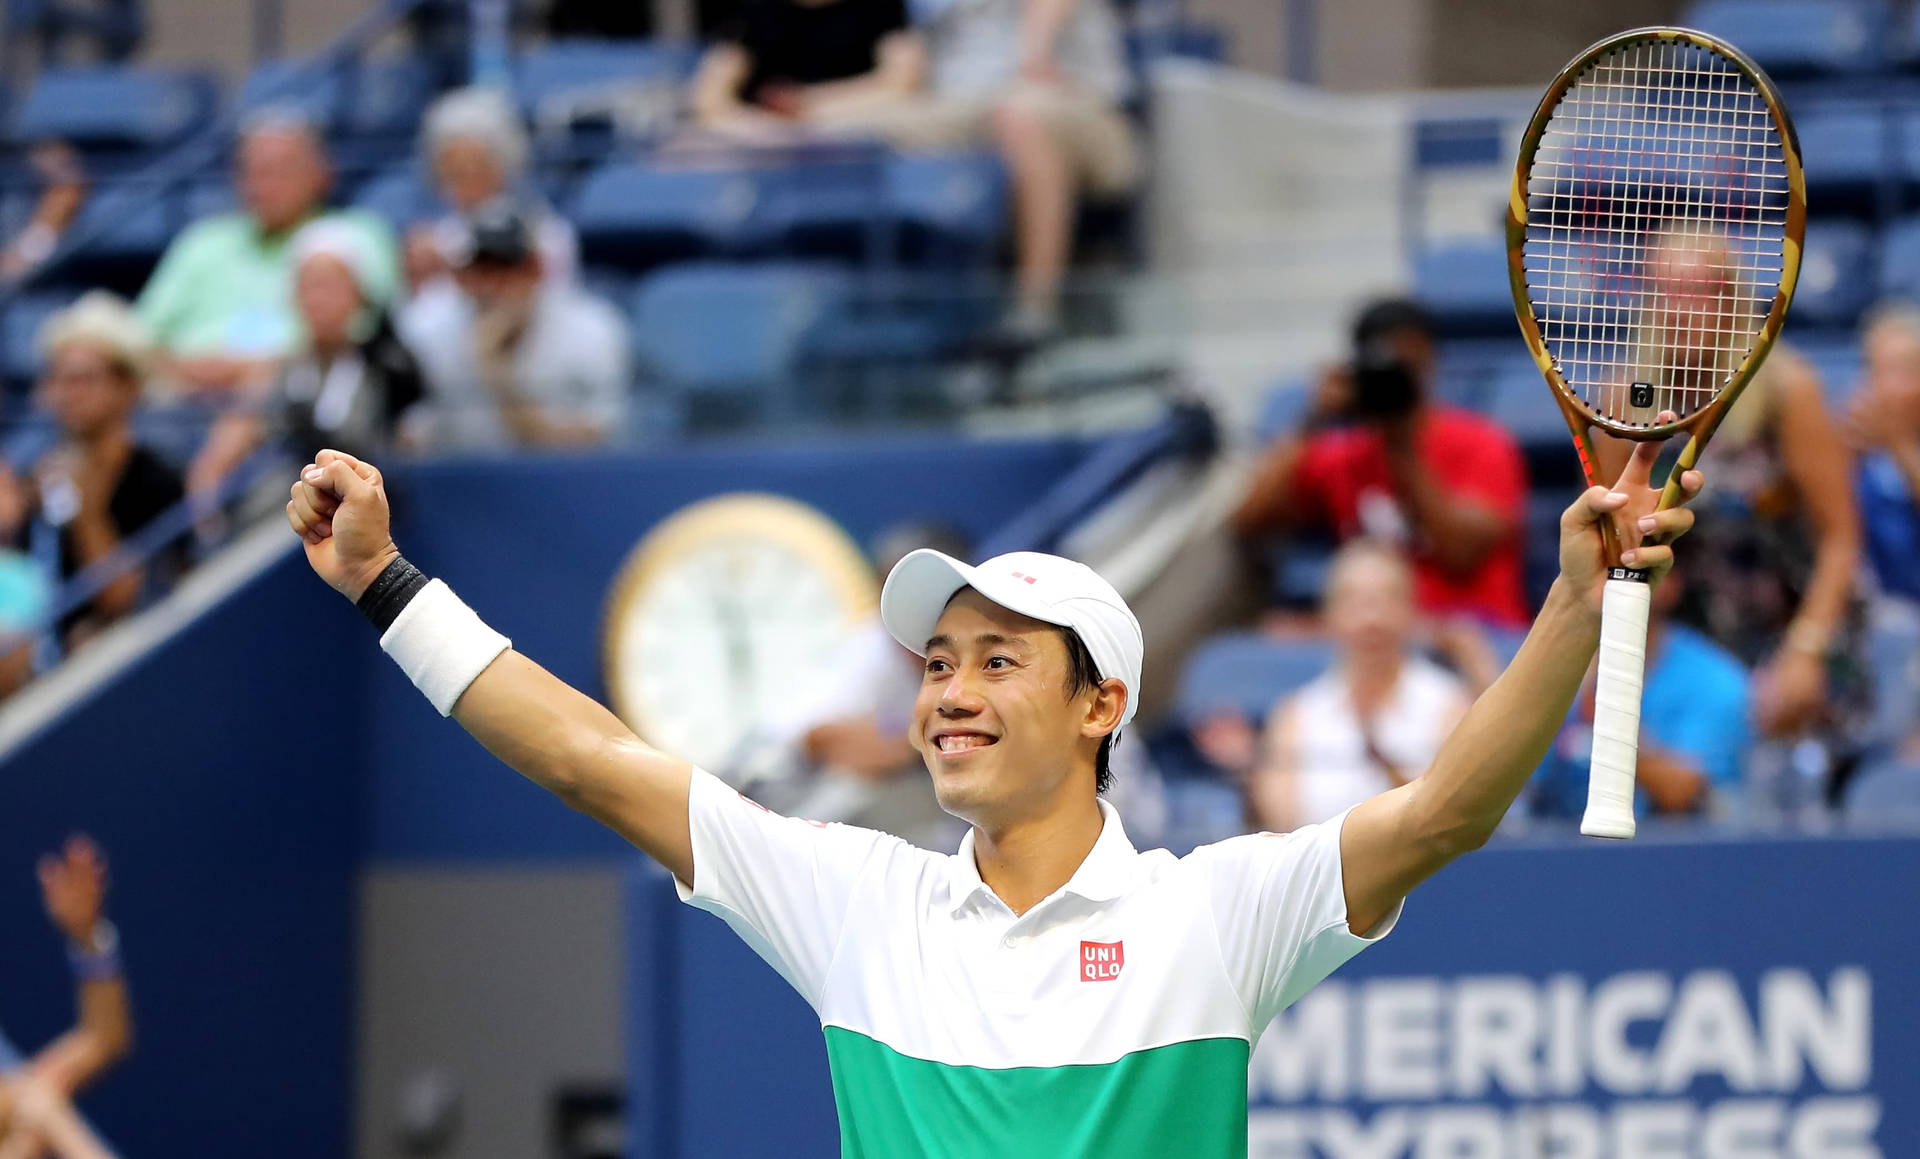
220, 304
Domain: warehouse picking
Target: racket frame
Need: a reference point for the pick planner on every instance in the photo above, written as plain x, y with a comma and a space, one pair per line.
1626, 599
1699, 426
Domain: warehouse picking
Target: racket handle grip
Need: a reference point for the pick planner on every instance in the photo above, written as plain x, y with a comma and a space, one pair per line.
1616, 708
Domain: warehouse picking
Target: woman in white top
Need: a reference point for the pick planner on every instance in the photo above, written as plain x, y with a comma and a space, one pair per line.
1374, 720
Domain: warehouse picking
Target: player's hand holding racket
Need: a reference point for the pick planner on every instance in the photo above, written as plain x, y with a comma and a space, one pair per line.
339, 509
1653, 238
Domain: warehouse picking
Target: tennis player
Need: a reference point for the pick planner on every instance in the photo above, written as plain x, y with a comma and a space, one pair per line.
1048, 990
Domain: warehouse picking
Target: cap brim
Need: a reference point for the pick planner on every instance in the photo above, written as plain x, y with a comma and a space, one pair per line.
920, 586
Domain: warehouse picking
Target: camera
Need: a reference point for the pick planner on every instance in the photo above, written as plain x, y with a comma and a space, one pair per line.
1383, 385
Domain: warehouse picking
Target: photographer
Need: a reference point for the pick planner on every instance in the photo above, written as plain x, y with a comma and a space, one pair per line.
1377, 457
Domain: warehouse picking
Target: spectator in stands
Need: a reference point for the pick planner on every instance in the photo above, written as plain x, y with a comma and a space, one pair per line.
843, 743
35, 1117
63, 194
220, 304
98, 484
1379, 457
477, 149
351, 385
1372, 721
785, 69
1883, 424
1695, 726
1043, 80
1773, 577
510, 357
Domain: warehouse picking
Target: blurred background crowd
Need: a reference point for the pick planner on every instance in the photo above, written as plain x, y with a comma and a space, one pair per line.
826, 214
459, 232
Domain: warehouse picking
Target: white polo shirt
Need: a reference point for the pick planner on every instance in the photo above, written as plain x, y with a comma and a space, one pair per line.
1115, 1018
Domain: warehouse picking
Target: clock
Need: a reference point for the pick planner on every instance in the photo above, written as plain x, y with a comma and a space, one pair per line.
722, 613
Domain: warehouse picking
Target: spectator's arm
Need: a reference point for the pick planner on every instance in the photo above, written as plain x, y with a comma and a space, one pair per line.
715, 100
1273, 501
900, 69
73, 889
237, 434
1674, 783
1818, 462
1041, 22
859, 746
1457, 529
94, 537
1273, 784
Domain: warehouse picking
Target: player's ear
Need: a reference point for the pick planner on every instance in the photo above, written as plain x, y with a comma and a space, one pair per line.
1104, 710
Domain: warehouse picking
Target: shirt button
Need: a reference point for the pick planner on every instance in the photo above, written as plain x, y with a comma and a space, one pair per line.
1012, 940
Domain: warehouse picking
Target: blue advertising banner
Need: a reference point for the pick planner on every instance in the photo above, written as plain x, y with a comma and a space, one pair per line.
1659, 1000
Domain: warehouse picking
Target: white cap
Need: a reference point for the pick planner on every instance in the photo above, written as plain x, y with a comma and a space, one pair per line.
1044, 587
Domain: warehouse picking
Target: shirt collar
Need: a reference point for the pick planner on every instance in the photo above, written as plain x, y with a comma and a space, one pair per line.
1106, 873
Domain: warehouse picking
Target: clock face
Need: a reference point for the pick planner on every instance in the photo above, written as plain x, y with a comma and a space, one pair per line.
724, 614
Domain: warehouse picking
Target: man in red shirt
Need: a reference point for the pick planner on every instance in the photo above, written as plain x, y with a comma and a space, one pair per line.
1377, 457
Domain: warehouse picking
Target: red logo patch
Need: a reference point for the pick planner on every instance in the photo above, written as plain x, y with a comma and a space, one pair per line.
1101, 961
1020, 575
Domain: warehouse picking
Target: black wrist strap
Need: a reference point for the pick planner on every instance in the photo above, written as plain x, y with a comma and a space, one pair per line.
392, 590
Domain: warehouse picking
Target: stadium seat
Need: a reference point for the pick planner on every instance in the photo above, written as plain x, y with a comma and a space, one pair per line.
1836, 274
951, 208
400, 196
278, 84
1801, 37
20, 334
1247, 673
1286, 403
565, 81
1900, 260
727, 338
113, 108
134, 223
1465, 284
634, 215
828, 205
1836, 358
1846, 152
1886, 792
386, 97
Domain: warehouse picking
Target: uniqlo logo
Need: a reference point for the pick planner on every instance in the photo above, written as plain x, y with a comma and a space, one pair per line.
1020, 575
1101, 961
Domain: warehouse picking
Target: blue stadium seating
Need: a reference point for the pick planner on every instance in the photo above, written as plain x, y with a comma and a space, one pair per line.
634, 215
1887, 792
1247, 673
386, 96
272, 84
1835, 357
1846, 151
951, 208
1286, 403
727, 338
556, 80
20, 331
1836, 274
1465, 284
1800, 37
400, 196
826, 204
113, 108
1900, 260
135, 224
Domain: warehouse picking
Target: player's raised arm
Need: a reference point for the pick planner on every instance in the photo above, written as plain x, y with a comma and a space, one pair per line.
557, 737
1397, 840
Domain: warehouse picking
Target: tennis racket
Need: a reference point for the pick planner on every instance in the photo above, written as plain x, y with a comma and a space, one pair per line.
1653, 238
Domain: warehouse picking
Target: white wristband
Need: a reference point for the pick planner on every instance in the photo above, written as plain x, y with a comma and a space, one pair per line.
441, 644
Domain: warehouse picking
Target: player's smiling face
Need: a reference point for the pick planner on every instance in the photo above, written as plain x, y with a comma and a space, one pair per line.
993, 720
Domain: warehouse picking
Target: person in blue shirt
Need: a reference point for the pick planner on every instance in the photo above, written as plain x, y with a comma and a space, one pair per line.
1695, 727
1883, 421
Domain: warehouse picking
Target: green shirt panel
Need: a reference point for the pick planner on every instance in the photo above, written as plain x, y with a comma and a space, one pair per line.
1187, 1098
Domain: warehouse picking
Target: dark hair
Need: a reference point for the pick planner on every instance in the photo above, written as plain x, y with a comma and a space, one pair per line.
1083, 674
1386, 316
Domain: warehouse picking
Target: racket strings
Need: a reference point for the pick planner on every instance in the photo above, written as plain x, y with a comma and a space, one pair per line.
1656, 226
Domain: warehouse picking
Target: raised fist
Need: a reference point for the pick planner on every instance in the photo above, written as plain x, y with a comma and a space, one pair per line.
339, 508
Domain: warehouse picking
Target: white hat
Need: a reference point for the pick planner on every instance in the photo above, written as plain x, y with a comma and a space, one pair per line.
106, 320
343, 241
1044, 587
